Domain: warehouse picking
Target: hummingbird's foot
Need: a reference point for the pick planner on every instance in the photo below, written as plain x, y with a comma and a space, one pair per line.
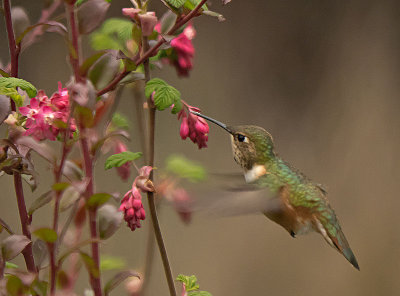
292, 233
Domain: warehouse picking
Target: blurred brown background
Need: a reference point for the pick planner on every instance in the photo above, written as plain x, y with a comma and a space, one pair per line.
323, 77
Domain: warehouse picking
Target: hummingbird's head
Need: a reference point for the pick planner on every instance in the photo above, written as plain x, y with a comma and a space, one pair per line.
251, 145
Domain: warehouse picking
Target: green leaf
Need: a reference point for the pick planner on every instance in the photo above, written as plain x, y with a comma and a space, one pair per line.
152, 85
60, 186
191, 285
98, 199
111, 263
39, 202
113, 34
120, 121
177, 106
90, 265
46, 234
199, 293
191, 4
176, 3
165, 95
185, 168
13, 94
12, 82
189, 281
119, 159
11, 265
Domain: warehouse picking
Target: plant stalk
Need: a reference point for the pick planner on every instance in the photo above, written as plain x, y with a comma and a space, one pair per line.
150, 195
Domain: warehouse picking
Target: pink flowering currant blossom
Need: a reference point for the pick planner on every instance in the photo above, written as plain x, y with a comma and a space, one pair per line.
182, 50
131, 204
43, 112
194, 127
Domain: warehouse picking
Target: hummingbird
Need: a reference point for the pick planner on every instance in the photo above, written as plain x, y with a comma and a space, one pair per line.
298, 204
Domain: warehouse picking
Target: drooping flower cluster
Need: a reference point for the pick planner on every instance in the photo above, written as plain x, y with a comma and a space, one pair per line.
184, 49
45, 115
194, 127
182, 53
131, 204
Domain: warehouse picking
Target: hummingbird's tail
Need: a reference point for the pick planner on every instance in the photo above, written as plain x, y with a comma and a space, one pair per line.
340, 242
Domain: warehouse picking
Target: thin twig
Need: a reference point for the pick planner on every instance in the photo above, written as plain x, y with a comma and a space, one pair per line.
150, 195
23, 215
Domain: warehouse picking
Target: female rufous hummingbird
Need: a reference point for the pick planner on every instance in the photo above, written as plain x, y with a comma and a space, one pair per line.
298, 205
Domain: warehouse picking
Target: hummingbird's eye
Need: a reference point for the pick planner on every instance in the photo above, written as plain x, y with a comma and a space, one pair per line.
241, 138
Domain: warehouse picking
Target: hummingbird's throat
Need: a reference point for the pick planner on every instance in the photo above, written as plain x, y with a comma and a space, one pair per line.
254, 173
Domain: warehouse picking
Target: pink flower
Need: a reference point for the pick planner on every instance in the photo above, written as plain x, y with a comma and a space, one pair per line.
133, 209
146, 20
194, 127
123, 171
43, 113
131, 204
184, 51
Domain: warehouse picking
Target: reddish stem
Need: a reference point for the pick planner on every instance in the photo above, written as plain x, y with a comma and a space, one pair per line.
23, 215
14, 53
154, 49
14, 50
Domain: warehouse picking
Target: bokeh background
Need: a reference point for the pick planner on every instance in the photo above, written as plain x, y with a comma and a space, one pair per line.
323, 77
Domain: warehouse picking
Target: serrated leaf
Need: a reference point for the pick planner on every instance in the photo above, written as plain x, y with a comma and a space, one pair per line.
119, 159
199, 293
185, 168
165, 97
12, 82
98, 199
46, 234
152, 85
13, 94
191, 4
165, 94
13, 245
120, 121
39, 202
118, 279
111, 263
177, 106
176, 3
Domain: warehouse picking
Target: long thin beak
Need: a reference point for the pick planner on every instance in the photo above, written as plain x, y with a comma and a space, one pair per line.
223, 125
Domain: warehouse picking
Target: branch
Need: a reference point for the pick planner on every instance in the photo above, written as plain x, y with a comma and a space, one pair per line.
150, 52
150, 195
